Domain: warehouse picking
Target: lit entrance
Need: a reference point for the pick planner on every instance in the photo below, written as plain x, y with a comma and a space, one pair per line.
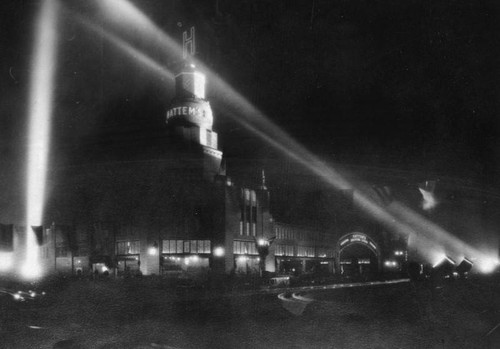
128, 265
358, 256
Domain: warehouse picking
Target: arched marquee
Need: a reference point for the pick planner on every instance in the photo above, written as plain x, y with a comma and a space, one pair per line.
359, 239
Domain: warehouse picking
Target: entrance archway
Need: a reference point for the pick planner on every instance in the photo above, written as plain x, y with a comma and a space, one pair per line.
358, 256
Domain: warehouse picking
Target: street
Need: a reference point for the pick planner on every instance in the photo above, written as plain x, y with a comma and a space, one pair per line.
143, 314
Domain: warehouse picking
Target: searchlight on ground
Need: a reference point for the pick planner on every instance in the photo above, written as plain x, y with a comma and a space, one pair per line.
444, 268
443, 262
464, 267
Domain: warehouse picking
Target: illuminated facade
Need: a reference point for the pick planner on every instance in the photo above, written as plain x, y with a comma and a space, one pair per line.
168, 208
302, 250
163, 205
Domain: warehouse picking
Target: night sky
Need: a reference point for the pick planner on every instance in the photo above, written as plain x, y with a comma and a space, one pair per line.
410, 85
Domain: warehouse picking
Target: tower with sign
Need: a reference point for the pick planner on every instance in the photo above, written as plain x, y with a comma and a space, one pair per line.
190, 115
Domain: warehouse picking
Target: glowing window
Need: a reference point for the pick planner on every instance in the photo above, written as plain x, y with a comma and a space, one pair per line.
128, 247
254, 197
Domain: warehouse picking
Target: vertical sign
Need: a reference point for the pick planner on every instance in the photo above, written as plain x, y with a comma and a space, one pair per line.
188, 43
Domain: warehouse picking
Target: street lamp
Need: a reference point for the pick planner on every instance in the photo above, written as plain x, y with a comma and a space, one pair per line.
262, 246
153, 249
219, 251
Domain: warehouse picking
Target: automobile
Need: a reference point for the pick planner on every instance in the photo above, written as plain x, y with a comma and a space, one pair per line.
22, 296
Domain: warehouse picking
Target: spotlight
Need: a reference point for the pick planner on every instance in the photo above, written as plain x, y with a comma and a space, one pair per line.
443, 262
464, 267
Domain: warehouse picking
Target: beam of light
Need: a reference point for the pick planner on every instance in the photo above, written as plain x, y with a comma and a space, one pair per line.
40, 112
134, 54
437, 236
121, 13
427, 237
6, 261
487, 265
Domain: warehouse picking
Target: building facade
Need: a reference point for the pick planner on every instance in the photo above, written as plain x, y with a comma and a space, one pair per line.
164, 205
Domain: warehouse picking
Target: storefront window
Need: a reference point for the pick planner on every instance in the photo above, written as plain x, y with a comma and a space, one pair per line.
186, 246
244, 247
284, 250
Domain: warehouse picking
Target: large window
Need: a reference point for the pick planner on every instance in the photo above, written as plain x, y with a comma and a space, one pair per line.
173, 246
248, 220
285, 232
128, 247
284, 250
305, 251
244, 247
186, 246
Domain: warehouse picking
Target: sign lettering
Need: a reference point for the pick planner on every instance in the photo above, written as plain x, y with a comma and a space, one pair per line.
190, 111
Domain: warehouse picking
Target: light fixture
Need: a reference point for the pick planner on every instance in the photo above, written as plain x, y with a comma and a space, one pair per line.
262, 242
219, 251
390, 264
153, 249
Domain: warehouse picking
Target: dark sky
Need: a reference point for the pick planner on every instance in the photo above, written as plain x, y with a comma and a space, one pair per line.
402, 84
